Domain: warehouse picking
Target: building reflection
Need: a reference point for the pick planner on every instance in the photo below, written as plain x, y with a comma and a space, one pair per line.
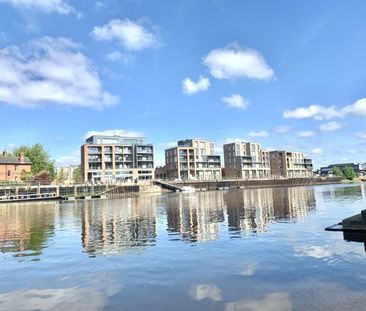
252, 210
26, 228
196, 216
114, 226
201, 216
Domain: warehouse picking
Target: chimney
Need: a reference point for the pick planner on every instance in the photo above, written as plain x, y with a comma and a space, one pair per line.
21, 157
5, 153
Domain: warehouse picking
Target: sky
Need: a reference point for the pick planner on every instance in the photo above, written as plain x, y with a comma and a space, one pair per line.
287, 74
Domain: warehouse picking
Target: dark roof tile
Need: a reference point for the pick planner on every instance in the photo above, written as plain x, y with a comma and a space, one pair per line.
13, 160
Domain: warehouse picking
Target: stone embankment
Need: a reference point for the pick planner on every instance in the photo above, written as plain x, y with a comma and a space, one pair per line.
259, 183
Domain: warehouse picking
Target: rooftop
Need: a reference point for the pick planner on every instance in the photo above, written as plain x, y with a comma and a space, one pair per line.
13, 160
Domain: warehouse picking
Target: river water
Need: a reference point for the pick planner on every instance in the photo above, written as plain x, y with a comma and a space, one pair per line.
261, 249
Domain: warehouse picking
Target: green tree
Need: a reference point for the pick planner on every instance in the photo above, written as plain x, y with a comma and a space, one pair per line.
39, 157
336, 171
349, 173
76, 175
61, 177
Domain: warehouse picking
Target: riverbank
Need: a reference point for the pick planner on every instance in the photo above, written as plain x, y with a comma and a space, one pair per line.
126, 190
259, 183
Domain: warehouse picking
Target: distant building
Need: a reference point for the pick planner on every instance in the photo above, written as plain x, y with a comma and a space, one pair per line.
246, 160
192, 159
290, 164
359, 168
68, 173
11, 168
109, 159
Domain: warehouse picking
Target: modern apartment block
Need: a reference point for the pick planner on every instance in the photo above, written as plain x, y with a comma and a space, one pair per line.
108, 159
246, 160
290, 164
192, 159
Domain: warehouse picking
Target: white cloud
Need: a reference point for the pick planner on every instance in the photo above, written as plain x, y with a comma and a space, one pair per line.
325, 113
114, 132
352, 151
47, 6
361, 135
258, 134
331, 126
314, 111
132, 35
118, 56
50, 71
235, 62
235, 140
236, 101
189, 87
113, 56
356, 109
71, 159
305, 134
282, 129
317, 151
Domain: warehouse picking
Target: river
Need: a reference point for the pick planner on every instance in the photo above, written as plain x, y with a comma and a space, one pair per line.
259, 249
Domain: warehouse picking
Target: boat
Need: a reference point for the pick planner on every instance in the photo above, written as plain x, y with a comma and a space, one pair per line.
188, 189
30, 197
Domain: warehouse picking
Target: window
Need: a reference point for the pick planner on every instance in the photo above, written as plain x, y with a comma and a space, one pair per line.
16, 167
8, 172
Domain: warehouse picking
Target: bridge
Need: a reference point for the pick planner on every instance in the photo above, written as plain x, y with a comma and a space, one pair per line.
168, 186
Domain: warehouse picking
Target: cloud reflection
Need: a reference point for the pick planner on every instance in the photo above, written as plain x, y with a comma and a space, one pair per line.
205, 291
279, 301
72, 298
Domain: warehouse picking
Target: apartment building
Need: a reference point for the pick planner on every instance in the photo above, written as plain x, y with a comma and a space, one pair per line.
66, 174
246, 160
109, 159
192, 159
290, 164
11, 168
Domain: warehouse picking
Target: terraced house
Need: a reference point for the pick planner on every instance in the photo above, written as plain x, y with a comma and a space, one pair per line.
109, 159
11, 168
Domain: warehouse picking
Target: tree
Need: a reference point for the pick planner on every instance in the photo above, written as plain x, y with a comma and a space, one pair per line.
43, 177
76, 175
61, 178
349, 173
39, 157
336, 171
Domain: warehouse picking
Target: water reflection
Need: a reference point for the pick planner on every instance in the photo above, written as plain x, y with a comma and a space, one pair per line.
197, 217
252, 210
109, 227
349, 193
26, 228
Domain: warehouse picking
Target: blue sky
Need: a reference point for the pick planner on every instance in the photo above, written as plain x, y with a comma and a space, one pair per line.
288, 74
